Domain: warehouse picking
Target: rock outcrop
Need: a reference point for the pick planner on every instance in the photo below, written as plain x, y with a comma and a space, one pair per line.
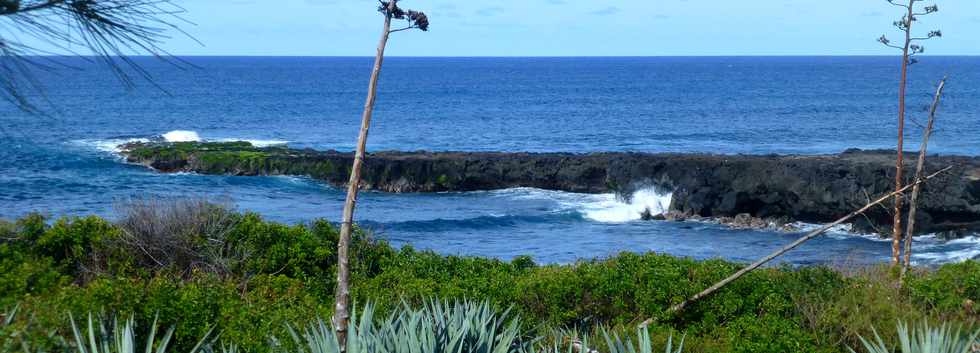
800, 188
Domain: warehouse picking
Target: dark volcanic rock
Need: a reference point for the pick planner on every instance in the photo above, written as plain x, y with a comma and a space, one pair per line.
802, 188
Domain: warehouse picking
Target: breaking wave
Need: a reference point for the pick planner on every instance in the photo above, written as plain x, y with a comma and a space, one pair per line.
605, 208
181, 136
610, 209
111, 145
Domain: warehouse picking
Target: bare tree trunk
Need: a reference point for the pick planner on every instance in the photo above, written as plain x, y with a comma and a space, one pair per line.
341, 316
900, 159
793, 245
910, 229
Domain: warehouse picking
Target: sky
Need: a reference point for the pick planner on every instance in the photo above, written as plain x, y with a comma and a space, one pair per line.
570, 28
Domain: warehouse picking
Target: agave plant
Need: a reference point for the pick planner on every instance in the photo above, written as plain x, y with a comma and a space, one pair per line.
643, 344
924, 338
434, 328
7, 338
574, 342
122, 338
8, 316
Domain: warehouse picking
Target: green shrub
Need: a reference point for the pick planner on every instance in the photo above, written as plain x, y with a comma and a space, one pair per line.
952, 288
71, 242
274, 273
296, 251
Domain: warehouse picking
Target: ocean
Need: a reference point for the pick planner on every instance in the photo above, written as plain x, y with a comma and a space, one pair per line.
64, 163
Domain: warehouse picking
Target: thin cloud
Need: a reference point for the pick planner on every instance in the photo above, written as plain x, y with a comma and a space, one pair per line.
612, 10
489, 11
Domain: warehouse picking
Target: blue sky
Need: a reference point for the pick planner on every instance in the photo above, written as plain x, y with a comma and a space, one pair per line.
570, 27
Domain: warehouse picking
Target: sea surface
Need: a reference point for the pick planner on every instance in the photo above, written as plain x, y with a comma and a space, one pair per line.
63, 162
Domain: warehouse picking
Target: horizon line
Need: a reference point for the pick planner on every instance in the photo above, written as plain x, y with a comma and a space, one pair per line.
513, 56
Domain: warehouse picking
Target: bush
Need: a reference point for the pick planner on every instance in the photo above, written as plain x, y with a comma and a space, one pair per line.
286, 274
178, 235
953, 288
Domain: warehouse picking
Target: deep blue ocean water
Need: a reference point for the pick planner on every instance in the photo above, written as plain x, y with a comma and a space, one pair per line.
62, 163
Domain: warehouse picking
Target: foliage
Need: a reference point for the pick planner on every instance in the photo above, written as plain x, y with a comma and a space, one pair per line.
285, 274
925, 338
122, 338
953, 288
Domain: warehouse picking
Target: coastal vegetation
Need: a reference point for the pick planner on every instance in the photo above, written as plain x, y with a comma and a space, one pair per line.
195, 276
247, 279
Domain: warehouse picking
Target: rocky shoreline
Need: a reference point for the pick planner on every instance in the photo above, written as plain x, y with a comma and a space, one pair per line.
741, 190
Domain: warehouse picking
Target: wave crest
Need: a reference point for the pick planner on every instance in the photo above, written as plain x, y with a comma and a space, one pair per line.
181, 136
614, 210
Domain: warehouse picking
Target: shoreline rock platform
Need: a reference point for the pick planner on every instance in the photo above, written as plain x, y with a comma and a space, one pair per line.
806, 188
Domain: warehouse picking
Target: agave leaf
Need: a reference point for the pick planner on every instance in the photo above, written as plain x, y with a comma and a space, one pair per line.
9, 316
78, 336
197, 347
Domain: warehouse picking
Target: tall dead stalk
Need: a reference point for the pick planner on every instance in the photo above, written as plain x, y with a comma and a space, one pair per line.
909, 49
679, 307
920, 166
341, 317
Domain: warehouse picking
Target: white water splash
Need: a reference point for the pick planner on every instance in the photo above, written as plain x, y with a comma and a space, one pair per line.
181, 136
113, 145
605, 208
967, 248
109, 145
612, 210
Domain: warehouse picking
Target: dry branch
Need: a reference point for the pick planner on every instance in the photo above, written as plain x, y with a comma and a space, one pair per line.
910, 229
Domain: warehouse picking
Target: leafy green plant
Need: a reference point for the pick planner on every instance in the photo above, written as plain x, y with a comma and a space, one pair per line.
924, 338
122, 338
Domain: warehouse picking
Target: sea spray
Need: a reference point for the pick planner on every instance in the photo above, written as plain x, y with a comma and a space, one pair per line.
114, 145
626, 209
181, 136
604, 208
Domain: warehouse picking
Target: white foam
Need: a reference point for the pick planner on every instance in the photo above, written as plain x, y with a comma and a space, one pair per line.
182, 136
109, 145
612, 210
113, 145
605, 208
840, 231
256, 143
949, 256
